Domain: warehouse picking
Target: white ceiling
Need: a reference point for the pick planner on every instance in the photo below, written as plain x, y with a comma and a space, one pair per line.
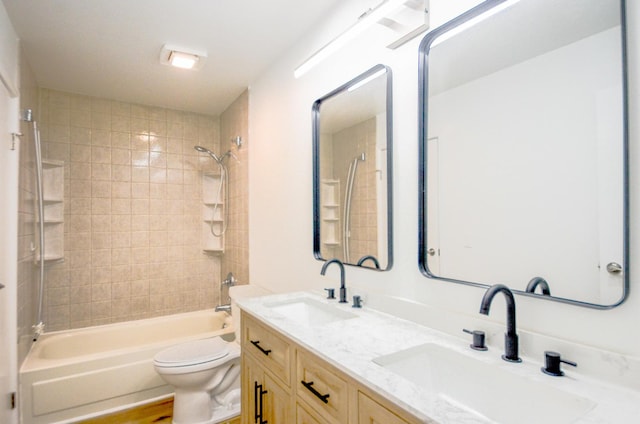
111, 48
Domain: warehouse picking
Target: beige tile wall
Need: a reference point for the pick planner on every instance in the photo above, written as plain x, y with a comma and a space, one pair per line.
235, 122
132, 210
348, 144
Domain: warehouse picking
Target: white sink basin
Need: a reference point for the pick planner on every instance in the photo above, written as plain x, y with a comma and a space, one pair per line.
309, 312
484, 389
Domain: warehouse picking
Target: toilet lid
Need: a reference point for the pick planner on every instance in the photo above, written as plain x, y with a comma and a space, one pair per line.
194, 352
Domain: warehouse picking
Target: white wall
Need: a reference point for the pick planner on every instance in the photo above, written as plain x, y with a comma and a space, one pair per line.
9, 160
281, 196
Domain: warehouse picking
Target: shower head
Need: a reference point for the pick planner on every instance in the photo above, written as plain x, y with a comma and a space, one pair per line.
209, 152
27, 115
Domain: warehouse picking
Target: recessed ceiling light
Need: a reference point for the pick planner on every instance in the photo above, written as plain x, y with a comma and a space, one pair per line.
181, 58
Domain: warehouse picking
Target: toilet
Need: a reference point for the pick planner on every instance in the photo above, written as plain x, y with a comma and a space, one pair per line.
205, 374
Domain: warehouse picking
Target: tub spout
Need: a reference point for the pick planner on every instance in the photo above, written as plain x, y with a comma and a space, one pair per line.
225, 308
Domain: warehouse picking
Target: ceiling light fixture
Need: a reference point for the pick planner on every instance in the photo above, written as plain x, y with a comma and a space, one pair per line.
379, 14
181, 58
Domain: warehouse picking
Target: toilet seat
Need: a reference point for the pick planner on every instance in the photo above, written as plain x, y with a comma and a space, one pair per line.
197, 352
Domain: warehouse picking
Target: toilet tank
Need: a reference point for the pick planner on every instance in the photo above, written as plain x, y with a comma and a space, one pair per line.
242, 292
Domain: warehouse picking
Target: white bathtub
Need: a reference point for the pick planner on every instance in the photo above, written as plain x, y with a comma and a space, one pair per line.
85, 372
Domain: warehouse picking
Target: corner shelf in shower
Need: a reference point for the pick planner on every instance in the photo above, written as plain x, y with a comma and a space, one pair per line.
212, 213
330, 213
53, 201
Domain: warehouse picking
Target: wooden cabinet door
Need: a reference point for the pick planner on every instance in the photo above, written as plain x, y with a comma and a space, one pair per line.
263, 399
307, 417
252, 376
277, 404
371, 412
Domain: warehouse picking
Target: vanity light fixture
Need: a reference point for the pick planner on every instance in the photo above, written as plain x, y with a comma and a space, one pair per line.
181, 58
379, 14
465, 26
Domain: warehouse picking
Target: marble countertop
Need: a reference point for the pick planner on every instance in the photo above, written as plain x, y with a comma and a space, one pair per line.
352, 344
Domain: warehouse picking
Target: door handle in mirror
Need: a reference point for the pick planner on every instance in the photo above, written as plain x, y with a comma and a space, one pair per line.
614, 268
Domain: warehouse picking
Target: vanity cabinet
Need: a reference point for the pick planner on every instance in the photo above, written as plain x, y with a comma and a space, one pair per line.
263, 399
285, 383
321, 388
266, 375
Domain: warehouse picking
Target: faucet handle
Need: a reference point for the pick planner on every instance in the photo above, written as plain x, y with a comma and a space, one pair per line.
357, 301
331, 293
478, 339
552, 362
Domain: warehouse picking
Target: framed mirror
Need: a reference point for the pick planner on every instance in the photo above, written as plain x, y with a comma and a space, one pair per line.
352, 158
523, 138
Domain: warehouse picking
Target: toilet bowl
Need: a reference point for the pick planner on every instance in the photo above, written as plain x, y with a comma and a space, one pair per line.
205, 374
206, 377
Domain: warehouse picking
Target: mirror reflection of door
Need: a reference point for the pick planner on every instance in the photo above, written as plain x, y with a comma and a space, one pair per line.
525, 146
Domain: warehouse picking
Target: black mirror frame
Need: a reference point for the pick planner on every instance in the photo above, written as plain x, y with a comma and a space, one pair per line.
423, 88
316, 161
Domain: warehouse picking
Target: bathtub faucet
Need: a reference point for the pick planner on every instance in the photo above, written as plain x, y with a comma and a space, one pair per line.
224, 308
229, 281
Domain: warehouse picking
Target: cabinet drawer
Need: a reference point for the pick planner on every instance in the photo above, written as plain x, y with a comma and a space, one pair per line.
321, 388
371, 412
267, 347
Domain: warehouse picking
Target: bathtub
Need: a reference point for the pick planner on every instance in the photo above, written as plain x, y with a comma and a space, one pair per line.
74, 374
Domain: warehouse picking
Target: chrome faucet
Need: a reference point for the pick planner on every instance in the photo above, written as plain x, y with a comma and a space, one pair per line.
510, 337
343, 288
229, 282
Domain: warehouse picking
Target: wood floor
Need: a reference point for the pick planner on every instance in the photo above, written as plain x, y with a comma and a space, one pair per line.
153, 413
